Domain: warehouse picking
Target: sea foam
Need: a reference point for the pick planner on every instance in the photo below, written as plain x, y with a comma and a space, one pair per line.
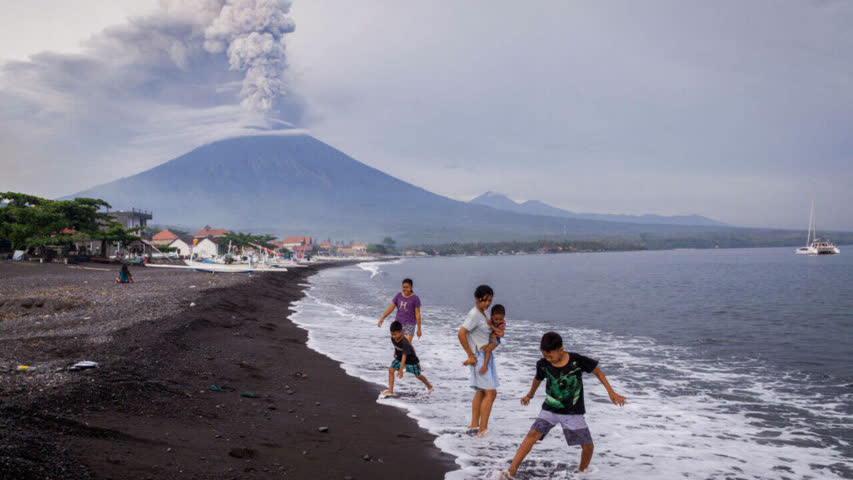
682, 418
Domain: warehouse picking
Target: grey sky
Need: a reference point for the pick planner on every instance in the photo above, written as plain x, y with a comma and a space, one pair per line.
727, 109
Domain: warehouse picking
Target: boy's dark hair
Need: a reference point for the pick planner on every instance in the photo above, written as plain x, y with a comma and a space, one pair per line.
498, 310
551, 341
483, 291
409, 281
396, 326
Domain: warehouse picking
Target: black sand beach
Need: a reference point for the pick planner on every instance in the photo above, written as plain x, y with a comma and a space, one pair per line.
149, 411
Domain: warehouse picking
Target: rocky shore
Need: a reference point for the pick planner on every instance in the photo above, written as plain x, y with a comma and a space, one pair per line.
200, 376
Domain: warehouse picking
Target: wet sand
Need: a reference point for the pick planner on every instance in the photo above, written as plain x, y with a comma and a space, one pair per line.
149, 410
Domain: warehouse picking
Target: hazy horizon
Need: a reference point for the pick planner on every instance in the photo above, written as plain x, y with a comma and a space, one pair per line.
732, 111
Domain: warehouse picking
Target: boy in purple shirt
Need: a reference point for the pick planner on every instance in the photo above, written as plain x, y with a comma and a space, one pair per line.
408, 307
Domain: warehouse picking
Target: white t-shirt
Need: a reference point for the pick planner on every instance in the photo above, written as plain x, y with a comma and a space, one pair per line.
478, 329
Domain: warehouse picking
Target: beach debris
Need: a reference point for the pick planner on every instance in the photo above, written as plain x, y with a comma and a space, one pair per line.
220, 388
192, 286
300, 375
355, 416
323, 429
249, 394
26, 368
317, 403
192, 304
365, 457
84, 365
242, 453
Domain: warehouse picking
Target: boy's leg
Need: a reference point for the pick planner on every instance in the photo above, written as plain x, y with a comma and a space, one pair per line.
486, 409
426, 382
475, 408
586, 456
390, 390
526, 445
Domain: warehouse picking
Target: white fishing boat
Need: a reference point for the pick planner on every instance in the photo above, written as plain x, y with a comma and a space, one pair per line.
813, 245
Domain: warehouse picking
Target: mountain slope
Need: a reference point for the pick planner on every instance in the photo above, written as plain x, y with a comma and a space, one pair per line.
535, 207
298, 184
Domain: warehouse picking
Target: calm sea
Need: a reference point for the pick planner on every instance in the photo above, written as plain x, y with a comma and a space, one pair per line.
736, 363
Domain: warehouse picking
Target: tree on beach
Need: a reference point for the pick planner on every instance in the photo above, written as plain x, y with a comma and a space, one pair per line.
28, 221
240, 239
377, 248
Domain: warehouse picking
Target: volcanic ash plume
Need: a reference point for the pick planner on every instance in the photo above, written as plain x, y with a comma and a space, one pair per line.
251, 32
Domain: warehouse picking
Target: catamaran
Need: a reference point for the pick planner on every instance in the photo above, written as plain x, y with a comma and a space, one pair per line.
813, 245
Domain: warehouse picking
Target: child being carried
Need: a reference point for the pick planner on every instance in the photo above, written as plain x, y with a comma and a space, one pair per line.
497, 323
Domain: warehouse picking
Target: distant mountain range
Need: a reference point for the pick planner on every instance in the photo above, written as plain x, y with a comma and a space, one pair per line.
295, 184
535, 207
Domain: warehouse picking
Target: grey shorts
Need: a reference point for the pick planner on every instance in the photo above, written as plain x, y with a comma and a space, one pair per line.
574, 427
409, 329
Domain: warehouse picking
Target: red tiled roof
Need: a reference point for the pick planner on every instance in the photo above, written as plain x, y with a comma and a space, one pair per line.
296, 240
207, 231
164, 235
325, 244
357, 245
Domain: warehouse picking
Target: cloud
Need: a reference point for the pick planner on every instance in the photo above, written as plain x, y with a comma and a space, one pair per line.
143, 91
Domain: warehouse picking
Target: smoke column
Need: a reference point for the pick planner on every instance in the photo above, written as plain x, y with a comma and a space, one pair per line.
251, 32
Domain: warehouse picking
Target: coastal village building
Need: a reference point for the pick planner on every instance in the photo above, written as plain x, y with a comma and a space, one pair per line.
163, 237
207, 231
291, 242
206, 247
131, 218
359, 248
128, 219
182, 246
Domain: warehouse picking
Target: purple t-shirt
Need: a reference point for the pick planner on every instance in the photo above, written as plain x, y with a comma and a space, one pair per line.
406, 308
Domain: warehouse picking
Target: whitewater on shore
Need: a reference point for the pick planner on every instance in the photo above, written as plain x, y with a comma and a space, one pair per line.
684, 417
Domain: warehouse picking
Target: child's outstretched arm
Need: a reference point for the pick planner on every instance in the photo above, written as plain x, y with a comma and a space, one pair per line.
387, 312
614, 397
527, 398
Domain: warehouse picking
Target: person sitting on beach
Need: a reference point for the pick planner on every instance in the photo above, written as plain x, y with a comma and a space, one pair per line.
474, 338
408, 307
124, 275
498, 326
563, 400
404, 359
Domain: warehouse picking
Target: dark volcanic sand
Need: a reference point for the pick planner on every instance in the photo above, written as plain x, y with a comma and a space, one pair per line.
148, 411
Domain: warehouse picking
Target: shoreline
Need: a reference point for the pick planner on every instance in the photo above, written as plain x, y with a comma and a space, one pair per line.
148, 411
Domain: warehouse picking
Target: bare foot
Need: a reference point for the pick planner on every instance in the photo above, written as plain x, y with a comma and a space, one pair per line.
482, 432
430, 390
505, 475
387, 392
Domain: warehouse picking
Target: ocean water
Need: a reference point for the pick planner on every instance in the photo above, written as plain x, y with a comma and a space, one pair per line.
735, 363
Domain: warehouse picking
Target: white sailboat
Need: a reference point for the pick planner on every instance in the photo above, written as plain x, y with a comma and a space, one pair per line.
813, 245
